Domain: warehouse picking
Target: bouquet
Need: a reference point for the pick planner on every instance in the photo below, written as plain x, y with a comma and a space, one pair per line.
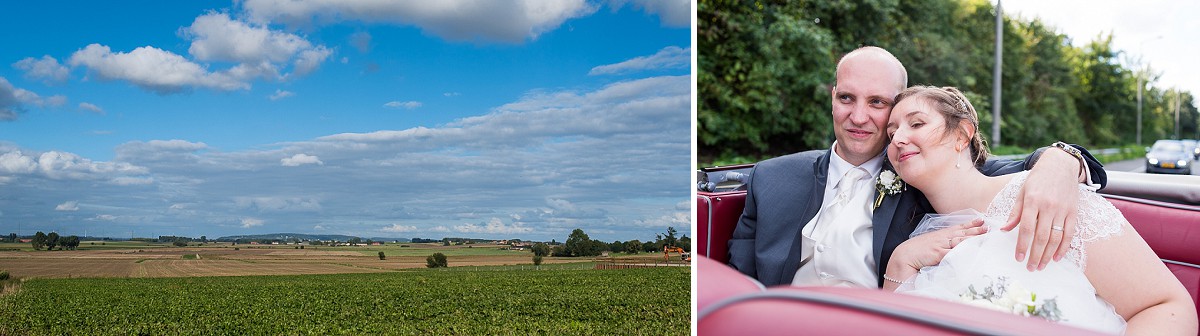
1005, 296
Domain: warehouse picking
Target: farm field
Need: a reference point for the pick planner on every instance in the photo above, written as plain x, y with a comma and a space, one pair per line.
645, 301
135, 259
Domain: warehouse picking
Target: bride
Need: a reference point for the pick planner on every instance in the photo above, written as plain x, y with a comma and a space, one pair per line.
1110, 280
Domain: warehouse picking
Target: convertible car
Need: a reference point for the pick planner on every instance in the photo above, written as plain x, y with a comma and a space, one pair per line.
1165, 210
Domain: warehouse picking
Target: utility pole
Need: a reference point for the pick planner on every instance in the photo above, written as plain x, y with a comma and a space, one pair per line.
1142, 72
996, 76
1177, 114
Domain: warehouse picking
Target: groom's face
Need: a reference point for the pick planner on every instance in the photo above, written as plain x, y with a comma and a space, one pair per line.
866, 86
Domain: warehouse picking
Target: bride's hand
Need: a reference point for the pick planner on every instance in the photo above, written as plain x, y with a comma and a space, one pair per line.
929, 249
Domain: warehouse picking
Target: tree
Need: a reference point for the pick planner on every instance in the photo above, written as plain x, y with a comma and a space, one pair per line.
12, 237
381, 256
179, 242
51, 240
685, 243
355, 241
669, 239
650, 247
537, 261
559, 251
436, 260
633, 246
445, 241
540, 249
616, 246
580, 245
203, 239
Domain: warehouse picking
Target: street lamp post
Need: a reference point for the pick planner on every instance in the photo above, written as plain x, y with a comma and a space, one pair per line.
1141, 72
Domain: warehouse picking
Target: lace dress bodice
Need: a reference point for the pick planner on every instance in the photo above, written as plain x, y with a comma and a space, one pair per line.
986, 260
1098, 219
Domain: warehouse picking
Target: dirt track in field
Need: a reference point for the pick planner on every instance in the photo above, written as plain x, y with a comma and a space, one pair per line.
171, 262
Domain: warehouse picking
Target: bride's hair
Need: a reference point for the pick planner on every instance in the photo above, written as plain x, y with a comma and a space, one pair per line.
956, 108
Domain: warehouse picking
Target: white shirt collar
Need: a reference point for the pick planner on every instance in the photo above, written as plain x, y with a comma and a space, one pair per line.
839, 166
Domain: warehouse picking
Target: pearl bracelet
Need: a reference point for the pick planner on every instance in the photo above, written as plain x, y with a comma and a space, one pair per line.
885, 277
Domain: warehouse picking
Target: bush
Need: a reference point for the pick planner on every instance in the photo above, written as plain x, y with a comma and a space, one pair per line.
436, 260
381, 256
3, 275
537, 260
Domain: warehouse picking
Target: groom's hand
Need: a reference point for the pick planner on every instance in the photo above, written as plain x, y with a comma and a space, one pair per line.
1046, 209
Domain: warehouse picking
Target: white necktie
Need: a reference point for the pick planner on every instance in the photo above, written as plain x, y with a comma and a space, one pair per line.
843, 192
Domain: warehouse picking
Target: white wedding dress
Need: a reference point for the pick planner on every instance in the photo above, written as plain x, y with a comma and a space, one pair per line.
979, 263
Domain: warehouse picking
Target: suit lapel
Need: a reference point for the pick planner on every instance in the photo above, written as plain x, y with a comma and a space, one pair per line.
810, 204
881, 218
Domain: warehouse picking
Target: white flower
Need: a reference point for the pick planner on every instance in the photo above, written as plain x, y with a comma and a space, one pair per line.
888, 183
887, 177
1009, 297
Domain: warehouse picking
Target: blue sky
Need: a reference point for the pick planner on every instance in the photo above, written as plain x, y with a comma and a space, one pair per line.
494, 119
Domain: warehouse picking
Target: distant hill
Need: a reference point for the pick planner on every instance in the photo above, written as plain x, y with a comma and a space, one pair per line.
303, 236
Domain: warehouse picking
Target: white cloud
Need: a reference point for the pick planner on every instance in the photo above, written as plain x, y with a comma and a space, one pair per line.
278, 204
679, 220
439, 228
677, 13
257, 49
406, 105
47, 69
493, 226
280, 94
91, 107
451, 94
668, 58
129, 181
10, 105
153, 69
105, 217
68, 206
459, 20
251, 222
57, 165
300, 159
397, 228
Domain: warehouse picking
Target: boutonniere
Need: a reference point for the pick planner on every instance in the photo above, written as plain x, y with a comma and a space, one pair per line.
888, 183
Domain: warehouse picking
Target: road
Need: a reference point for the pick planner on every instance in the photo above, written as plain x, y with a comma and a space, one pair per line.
1138, 166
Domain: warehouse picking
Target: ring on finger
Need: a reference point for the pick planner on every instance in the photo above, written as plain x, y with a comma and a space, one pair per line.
1058, 228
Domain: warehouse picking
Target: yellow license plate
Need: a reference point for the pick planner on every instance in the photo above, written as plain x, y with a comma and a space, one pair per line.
1168, 165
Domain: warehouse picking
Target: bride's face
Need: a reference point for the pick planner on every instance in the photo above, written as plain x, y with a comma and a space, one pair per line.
920, 145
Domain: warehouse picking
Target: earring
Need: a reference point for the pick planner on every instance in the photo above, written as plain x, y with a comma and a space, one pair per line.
957, 164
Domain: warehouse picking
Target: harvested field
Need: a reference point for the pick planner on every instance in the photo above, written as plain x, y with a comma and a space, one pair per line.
171, 262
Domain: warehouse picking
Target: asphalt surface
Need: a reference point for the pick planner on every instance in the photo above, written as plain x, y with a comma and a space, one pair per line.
1139, 166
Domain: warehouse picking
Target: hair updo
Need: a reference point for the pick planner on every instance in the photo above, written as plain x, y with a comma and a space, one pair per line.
956, 109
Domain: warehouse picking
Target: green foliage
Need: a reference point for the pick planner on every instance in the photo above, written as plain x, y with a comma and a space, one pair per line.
566, 302
4, 275
765, 68
382, 256
540, 249
764, 77
633, 246
39, 240
436, 260
559, 251
580, 245
537, 260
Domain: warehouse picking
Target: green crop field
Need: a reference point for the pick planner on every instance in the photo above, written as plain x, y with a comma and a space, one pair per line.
647, 301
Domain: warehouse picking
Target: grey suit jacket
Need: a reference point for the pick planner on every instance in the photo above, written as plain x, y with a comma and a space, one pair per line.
785, 193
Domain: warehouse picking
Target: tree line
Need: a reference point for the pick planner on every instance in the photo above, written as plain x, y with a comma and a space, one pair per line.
578, 244
765, 69
50, 241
